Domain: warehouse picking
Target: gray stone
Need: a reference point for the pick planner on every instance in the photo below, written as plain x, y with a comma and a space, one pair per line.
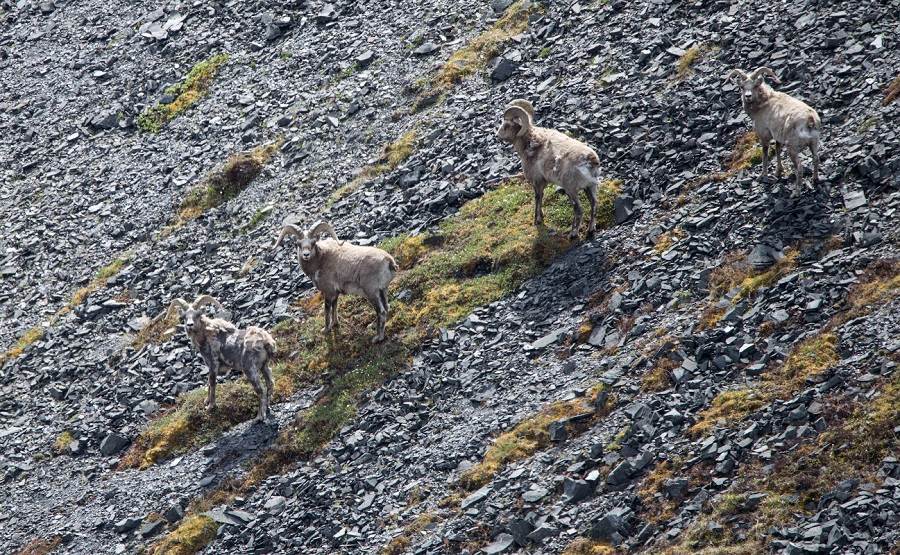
500, 545
151, 528
475, 497
275, 504
620, 474
112, 444
503, 70
575, 490
127, 525
534, 495
624, 208
559, 430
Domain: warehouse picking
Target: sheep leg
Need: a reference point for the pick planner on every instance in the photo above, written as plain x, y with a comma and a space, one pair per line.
579, 213
211, 385
779, 169
814, 148
253, 378
270, 386
592, 197
539, 201
334, 316
765, 159
380, 316
798, 169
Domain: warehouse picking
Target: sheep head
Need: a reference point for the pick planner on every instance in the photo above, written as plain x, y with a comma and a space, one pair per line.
752, 85
191, 313
306, 240
516, 122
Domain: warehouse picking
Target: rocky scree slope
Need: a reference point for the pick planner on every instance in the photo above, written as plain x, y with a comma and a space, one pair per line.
86, 187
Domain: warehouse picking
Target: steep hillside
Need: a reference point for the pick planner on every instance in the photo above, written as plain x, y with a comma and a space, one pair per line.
713, 372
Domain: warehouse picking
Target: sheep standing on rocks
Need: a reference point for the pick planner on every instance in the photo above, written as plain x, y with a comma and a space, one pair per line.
336, 267
221, 344
550, 156
776, 115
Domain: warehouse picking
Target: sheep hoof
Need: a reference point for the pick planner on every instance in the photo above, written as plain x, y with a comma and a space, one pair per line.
378, 339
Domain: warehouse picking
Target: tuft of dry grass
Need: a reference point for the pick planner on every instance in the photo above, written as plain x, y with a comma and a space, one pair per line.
735, 272
892, 91
584, 546
186, 94
62, 442
659, 378
28, 338
402, 542
667, 240
392, 155
726, 409
532, 435
691, 56
98, 282
483, 48
40, 546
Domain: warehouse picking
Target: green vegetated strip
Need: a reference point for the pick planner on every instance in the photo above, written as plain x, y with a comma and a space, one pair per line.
475, 55
483, 253
185, 94
36, 334
392, 155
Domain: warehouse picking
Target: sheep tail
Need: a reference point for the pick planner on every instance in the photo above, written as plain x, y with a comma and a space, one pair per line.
811, 123
392, 264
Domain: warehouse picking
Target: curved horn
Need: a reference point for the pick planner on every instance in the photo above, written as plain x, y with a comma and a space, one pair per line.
288, 228
203, 299
323, 227
738, 73
524, 117
181, 303
765, 71
524, 104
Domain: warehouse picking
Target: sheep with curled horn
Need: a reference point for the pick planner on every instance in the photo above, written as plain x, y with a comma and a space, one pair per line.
780, 117
222, 345
549, 156
336, 267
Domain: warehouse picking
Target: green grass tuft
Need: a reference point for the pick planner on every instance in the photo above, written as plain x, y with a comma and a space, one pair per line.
186, 94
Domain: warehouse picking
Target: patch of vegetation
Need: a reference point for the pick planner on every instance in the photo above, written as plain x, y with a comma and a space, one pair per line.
616, 443
40, 546
667, 240
726, 409
866, 126
892, 92
483, 48
659, 378
585, 546
730, 504
735, 272
402, 542
879, 284
392, 155
533, 434
62, 442
100, 281
747, 152
225, 183
710, 316
28, 338
259, 216
812, 356
157, 330
192, 534
691, 56
545, 52
477, 257
186, 94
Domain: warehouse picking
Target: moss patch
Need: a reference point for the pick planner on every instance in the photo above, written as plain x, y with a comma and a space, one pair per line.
735, 272
157, 330
659, 378
62, 443
533, 435
192, 534
667, 240
186, 94
483, 48
28, 338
